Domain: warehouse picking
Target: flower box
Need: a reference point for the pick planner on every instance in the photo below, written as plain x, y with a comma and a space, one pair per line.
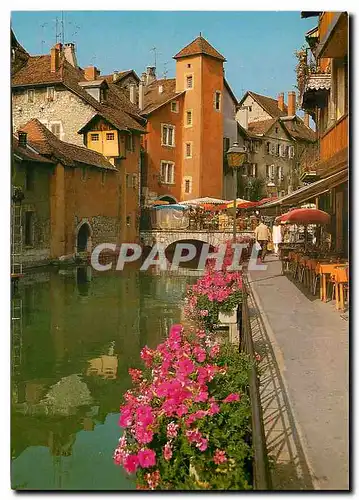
228, 318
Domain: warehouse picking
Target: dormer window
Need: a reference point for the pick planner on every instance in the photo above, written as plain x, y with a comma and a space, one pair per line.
103, 95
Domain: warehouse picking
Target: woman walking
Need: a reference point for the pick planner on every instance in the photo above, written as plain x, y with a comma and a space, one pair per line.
277, 237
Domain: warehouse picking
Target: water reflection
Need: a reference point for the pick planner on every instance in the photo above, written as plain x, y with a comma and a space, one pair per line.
76, 334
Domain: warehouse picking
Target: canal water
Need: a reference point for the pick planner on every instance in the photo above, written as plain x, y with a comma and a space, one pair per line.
75, 333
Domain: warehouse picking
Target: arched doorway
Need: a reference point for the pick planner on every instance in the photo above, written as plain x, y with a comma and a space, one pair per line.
83, 240
167, 197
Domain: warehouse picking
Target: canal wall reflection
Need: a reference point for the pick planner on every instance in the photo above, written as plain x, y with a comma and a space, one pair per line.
81, 331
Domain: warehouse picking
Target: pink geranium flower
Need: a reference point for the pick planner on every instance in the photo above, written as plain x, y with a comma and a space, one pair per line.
130, 463
146, 458
167, 451
219, 457
231, 398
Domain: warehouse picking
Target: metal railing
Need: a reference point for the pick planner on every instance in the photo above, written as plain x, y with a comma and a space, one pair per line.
261, 474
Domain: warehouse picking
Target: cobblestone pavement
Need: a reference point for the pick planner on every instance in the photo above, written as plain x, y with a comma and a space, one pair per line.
304, 383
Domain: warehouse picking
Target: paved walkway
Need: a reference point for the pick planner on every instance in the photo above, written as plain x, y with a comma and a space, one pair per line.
309, 340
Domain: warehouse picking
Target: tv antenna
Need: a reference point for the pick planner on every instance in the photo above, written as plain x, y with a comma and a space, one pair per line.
165, 71
62, 28
154, 50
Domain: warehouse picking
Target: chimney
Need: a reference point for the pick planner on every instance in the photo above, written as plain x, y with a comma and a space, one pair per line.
281, 101
242, 117
150, 74
55, 57
22, 139
291, 103
306, 119
133, 93
160, 89
91, 73
70, 54
141, 91
115, 77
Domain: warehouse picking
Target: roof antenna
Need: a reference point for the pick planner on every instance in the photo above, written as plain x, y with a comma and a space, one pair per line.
62, 28
154, 49
165, 71
200, 33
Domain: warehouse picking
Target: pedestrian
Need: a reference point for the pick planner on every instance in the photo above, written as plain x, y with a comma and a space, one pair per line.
277, 236
262, 235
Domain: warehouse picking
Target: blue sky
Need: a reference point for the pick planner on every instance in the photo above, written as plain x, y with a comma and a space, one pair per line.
259, 46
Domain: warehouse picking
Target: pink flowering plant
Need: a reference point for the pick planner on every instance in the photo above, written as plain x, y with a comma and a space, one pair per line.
217, 291
186, 419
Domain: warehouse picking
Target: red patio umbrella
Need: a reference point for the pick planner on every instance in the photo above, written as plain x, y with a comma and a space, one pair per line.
305, 216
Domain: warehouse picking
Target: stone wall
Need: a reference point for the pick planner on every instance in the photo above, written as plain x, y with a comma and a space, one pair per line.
67, 109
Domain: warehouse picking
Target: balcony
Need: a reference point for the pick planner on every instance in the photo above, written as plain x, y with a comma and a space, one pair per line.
312, 81
335, 139
309, 166
333, 35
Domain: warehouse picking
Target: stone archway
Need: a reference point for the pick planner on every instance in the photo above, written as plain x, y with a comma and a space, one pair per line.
83, 237
167, 197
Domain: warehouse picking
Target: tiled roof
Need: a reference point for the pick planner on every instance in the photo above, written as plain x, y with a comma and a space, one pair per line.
27, 153
118, 109
153, 99
298, 130
120, 75
260, 127
70, 155
269, 104
199, 46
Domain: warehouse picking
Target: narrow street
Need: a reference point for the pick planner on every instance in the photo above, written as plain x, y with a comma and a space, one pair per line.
309, 340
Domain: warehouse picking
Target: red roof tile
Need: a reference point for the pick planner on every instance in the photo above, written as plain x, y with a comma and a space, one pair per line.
118, 109
260, 127
269, 104
28, 153
70, 155
153, 99
199, 46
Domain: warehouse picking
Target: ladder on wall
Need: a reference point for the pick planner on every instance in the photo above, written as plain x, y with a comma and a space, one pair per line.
16, 239
16, 334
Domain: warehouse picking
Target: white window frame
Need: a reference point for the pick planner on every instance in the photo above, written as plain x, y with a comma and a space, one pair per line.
168, 126
167, 173
256, 146
290, 151
190, 144
176, 110
92, 134
280, 173
110, 133
186, 76
253, 170
56, 122
50, 90
189, 112
219, 94
28, 96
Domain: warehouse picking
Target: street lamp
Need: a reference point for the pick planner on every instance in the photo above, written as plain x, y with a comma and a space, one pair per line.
236, 157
